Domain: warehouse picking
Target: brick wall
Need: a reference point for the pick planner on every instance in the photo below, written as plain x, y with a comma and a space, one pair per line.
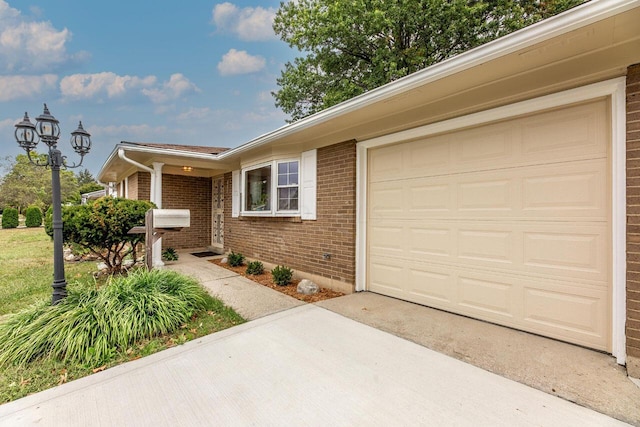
633, 221
193, 193
140, 186
301, 244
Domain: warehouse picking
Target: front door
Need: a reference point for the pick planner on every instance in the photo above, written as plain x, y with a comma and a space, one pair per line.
217, 210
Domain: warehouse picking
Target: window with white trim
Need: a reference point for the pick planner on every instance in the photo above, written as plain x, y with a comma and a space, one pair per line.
271, 188
257, 189
285, 187
288, 186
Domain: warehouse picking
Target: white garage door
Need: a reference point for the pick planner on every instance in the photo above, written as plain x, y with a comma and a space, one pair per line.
507, 222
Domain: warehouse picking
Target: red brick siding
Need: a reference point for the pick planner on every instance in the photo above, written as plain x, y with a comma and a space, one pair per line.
633, 211
193, 193
300, 244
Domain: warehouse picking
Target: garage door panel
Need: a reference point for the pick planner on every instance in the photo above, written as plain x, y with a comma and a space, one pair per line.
573, 314
572, 188
433, 285
571, 134
387, 238
488, 195
493, 298
571, 253
565, 191
488, 246
568, 133
387, 278
434, 242
576, 252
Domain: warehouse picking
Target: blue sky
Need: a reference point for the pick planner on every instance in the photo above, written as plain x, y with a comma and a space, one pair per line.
184, 72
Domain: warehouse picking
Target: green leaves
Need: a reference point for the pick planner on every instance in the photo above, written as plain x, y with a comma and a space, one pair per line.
351, 47
102, 226
90, 326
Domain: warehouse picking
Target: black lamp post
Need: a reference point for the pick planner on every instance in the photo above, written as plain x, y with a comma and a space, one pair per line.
47, 130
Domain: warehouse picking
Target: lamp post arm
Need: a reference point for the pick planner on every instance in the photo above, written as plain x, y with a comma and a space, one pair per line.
37, 162
74, 165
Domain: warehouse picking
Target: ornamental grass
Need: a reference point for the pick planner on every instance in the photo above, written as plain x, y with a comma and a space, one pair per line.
91, 325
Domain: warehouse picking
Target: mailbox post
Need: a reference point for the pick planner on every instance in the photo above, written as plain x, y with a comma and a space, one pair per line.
157, 222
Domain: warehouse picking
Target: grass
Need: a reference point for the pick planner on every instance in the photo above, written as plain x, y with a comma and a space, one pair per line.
25, 270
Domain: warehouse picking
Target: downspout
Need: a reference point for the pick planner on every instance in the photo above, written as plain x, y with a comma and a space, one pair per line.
154, 196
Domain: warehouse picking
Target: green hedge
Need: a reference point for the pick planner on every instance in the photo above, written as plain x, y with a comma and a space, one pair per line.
10, 218
33, 217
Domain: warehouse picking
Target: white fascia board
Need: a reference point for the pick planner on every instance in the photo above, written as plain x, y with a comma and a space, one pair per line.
585, 14
154, 151
588, 13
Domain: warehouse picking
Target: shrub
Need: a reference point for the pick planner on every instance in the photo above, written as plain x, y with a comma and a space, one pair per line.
10, 218
33, 217
235, 259
170, 254
90, 326
254, 268
102, 227
282, 275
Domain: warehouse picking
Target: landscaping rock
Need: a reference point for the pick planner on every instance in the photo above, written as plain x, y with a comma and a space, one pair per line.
224, 260
307, 287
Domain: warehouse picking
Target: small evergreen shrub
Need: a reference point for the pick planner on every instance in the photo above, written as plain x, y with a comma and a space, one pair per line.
254, 268
235, 259
33, 217
10, 218
170, 254
282, 275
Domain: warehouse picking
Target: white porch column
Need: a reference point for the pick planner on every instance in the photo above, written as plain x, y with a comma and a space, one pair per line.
156, 197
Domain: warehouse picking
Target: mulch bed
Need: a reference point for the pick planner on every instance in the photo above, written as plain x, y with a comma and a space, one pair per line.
291, 289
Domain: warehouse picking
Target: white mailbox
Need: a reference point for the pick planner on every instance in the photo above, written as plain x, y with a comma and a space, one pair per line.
171, 218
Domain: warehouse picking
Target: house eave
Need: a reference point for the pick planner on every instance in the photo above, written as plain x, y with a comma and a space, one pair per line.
590, 43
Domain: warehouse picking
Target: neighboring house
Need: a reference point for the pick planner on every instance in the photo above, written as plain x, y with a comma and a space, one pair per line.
501, 184
92, 195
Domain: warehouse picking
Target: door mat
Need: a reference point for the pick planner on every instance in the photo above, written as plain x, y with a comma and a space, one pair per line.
204, 254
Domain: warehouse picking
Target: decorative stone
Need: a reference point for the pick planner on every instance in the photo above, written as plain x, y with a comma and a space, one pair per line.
307, 287
224, 260
102, 266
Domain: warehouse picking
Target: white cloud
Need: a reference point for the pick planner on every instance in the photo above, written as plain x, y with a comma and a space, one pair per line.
7, 123
30, 46
177, 86
196, 114
17, 87
84, 86
265, 97
128, 132
240, 62
249, 24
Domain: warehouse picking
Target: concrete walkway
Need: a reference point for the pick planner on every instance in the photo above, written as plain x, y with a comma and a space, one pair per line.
296, 364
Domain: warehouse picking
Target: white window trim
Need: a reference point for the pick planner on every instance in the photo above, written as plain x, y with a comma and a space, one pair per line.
615, 90
273, 212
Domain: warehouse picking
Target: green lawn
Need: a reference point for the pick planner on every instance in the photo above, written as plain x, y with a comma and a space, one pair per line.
26, 272
26, 268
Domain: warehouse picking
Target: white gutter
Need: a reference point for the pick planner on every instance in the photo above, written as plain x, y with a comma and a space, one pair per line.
155, 194
133, 162
585, 14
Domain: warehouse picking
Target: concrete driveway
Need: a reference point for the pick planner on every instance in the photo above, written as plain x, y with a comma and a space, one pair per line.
302, 366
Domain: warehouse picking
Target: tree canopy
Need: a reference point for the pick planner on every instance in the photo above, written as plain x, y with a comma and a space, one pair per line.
26, 184
351, 47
